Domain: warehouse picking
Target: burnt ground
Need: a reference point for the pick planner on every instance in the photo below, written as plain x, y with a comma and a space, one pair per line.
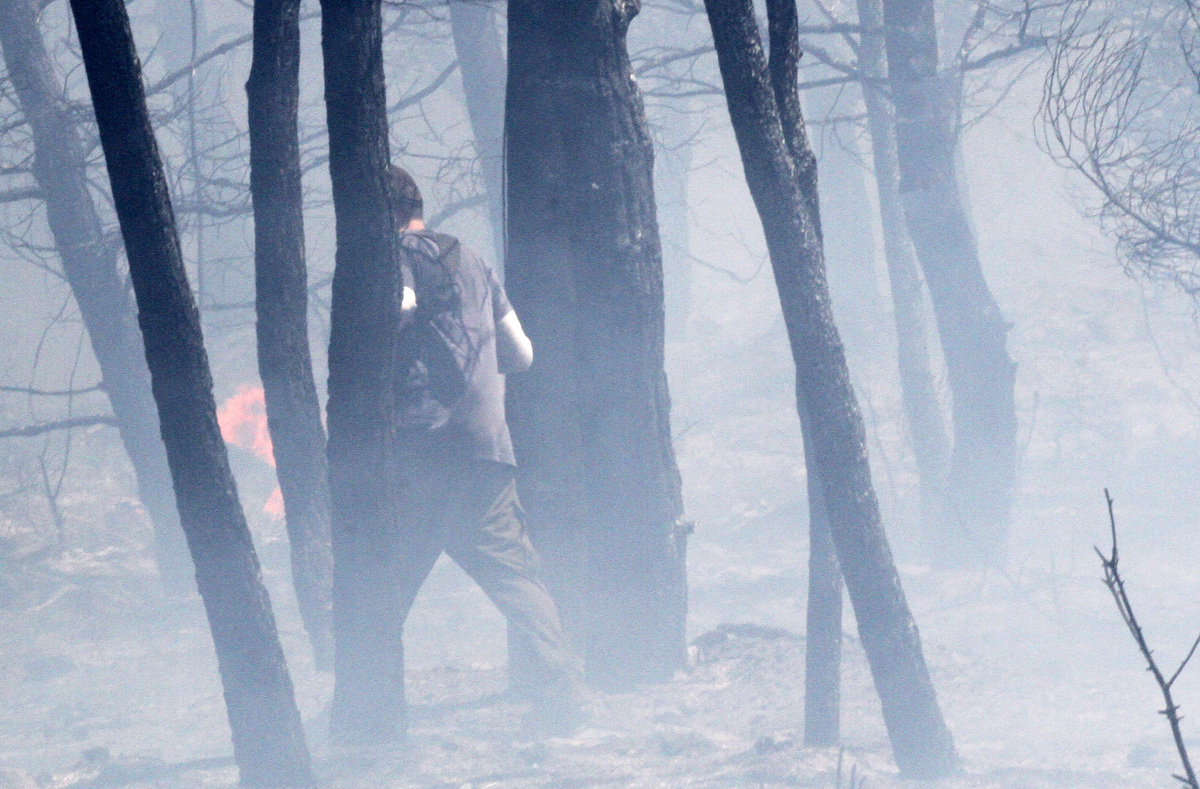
105, 684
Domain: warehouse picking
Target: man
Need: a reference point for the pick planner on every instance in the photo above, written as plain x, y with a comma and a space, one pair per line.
455, 457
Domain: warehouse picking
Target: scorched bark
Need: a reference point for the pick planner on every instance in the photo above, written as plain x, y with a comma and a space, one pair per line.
268, 739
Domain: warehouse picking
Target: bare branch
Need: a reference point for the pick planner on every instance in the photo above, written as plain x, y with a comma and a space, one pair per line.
1116, 586
29, 431
1183, 663
182, 73
415, 98
1030, 43
450, 209
25, 193
1121, 107
29, 390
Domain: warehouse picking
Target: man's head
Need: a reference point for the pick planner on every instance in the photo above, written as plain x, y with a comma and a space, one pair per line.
404, 196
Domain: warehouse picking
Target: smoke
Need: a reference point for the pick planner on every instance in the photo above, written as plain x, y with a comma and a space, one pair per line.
243, 422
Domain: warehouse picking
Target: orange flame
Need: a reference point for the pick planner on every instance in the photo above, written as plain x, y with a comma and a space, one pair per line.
243, 422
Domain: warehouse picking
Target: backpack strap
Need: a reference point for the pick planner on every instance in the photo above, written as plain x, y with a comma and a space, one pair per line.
449, 249
443, 343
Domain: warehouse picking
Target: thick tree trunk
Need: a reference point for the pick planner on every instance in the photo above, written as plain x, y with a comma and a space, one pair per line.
926, 424
368, 701
268, 740
481, 63
590, 420
90, 264
778, 165
281, 303
973, 332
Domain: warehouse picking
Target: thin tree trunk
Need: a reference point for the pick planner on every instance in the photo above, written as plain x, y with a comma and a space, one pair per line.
823, 618
182, 35
89, 261
590, 420
849, 244
973, 332
281, 304
268, 740
481, 63
823, 624
368, 701
672, 165
779, 170
926, 424
173, 20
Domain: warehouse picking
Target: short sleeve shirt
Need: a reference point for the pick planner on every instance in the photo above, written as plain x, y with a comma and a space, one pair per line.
450, 390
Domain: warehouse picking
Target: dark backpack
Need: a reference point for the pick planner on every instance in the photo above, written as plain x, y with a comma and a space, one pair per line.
443, 352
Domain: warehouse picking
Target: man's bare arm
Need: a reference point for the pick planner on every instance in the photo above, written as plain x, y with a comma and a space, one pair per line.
408, 305
514, 350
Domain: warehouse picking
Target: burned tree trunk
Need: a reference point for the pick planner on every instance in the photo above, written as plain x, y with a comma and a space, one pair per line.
368, 700
823, 626
268, 740
973, 332
823, 615
89, 261
926, 426
778, 165
480, 53
590, 420
281, 304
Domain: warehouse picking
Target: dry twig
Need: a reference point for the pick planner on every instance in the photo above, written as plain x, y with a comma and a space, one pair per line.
1116, 585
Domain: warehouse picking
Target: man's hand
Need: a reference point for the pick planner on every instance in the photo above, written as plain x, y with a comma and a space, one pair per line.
514, 350
408, 305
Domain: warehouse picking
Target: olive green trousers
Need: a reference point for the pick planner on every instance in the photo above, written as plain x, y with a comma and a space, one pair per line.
470, 510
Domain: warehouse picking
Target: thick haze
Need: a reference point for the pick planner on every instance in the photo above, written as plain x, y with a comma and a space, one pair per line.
1040, 683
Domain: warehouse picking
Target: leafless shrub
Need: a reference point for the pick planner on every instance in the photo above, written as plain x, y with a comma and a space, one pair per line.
1122, 107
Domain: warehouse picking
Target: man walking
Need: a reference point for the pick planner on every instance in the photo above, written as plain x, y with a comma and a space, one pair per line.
456, 468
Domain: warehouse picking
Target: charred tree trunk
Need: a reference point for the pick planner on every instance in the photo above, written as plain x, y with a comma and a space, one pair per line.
926, 424
823, 625
368, 700
89, 261
590, 420
823, 617
973, 332
779, 170
281, 304
268, 740
481, 63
